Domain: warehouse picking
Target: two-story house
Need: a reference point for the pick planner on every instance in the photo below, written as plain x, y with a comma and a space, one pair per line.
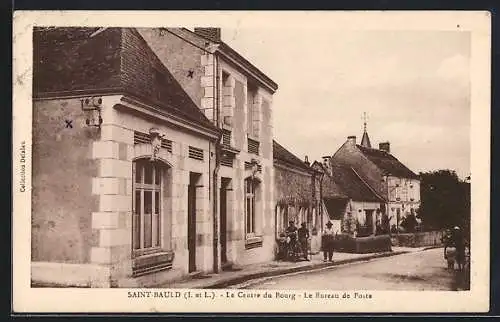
237, 97
385, 175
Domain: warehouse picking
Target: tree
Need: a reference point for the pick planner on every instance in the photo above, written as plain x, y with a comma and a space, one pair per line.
445, 200
409, 223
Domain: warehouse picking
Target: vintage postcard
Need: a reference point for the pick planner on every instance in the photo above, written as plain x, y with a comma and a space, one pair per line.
251, 161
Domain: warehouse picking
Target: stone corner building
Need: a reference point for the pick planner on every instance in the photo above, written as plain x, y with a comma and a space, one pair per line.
131, 186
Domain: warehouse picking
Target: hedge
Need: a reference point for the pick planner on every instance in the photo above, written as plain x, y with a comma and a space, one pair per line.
362, 245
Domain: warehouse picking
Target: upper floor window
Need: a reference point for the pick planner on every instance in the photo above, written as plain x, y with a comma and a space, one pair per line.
253, 146
252, 111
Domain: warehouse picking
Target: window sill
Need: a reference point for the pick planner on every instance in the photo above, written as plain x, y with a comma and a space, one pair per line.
253, 242
153, 262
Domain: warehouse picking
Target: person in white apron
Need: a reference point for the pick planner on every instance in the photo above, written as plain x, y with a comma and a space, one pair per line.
327, 242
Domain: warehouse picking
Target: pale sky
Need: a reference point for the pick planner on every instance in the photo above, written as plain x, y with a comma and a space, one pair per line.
413, 85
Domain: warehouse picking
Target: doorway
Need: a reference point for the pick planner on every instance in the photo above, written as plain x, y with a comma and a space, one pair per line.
191, 224
369, 221
225, 187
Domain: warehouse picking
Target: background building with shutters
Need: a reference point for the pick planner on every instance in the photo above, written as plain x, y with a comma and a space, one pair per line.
237, 97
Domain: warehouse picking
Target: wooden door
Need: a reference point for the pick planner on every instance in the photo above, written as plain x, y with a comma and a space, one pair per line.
192, 227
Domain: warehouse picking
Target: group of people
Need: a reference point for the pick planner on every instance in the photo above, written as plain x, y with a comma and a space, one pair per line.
454, 247
299, 239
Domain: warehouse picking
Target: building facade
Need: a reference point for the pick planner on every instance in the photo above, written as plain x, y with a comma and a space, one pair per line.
386, 176
237, 98
132, 175
295, 192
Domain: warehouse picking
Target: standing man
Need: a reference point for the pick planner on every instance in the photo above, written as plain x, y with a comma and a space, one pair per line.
291, 234
327, 242
303, 239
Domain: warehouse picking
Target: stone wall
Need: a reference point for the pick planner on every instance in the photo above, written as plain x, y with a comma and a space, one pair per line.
62, 200
422, 239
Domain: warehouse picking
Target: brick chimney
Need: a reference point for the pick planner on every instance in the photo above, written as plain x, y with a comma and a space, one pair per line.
327, 165
351, 139
213, 34
385, 146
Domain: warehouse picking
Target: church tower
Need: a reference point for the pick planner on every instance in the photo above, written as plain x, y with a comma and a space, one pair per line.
365, 141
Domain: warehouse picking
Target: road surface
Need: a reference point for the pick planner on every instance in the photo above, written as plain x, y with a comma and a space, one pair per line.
425, 270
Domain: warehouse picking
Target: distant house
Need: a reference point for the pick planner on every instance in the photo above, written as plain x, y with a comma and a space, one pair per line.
348, 202
384, 174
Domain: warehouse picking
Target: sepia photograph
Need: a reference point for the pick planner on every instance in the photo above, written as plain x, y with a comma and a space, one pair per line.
291, 164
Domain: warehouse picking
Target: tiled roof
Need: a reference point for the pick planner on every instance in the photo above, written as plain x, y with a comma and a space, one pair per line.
387, 163
225, 48
70, 60
335, 206
352, 185
282, 155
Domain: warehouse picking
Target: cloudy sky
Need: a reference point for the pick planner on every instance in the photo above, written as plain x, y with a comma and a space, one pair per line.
413, 85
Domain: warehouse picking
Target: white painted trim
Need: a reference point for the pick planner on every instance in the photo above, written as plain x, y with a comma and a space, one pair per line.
166, 117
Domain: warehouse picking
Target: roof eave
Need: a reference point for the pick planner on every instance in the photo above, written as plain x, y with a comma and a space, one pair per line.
227, 52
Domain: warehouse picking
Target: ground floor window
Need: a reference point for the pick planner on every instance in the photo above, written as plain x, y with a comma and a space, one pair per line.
147, 205
251, 204
309, 218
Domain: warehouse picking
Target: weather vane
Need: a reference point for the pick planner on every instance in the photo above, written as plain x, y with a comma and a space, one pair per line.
365, 117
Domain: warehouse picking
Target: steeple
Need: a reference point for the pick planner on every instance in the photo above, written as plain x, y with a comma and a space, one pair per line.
365, 140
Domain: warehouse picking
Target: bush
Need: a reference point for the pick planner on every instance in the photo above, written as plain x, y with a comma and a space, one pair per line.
361, 245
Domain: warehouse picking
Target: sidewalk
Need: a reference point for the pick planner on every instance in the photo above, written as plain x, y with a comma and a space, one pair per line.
274, 268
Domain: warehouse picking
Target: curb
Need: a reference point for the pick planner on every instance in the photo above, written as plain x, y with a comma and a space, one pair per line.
433, 247
257, 275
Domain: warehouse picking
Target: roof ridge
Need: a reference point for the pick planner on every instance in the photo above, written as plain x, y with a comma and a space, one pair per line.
376, 155
291, 154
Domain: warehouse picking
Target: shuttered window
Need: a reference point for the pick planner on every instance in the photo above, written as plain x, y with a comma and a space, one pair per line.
195, 153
